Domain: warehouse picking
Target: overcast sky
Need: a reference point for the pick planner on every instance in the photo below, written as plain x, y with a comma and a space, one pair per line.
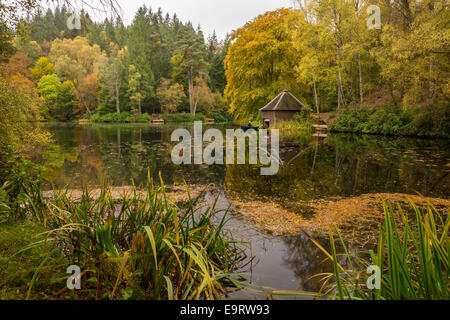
220, 15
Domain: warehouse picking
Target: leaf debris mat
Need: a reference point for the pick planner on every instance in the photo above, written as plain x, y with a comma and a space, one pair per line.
358, 217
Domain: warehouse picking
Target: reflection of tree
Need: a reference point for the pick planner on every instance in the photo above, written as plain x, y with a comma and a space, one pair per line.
348, 165
57, 155
345, 165
305, 259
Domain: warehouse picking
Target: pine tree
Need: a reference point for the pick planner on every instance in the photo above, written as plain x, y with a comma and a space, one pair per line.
191, 47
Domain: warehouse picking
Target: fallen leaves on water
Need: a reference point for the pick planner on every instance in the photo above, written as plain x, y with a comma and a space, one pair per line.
358, 217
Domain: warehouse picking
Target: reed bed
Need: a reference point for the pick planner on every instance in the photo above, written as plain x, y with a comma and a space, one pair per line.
412, 254
143, 246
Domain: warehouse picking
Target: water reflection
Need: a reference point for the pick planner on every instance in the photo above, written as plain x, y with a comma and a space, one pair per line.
274, 263
346, 165
340, 165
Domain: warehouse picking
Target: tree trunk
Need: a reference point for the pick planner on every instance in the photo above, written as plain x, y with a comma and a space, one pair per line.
117, 98
83, 101
87, 107
349, 83
339, 96
360, 79
195, 99
431, 82
119, 151
341, 90
350, 88
315, 157
191, 90
315, 98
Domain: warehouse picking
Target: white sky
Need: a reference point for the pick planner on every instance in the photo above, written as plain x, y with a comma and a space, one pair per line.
220, 15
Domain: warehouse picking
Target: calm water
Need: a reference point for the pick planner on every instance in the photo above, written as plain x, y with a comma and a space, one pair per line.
340, 165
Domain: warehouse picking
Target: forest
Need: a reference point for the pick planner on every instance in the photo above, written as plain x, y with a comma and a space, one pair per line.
158, 64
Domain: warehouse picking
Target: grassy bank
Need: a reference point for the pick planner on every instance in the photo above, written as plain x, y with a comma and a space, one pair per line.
187, 117
24, 272
127, 117
299, 128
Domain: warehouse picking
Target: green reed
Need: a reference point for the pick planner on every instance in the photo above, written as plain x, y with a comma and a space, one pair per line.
413, 257
144, 246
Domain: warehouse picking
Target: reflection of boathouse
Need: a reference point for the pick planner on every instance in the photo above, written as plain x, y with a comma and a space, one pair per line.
282, 108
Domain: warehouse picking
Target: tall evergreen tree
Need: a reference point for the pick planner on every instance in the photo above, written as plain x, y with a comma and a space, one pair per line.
191, 47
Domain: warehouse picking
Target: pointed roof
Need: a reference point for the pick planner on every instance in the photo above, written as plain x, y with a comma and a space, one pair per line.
285, 101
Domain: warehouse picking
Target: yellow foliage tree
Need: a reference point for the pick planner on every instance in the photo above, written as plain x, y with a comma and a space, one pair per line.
261, 62
170, 95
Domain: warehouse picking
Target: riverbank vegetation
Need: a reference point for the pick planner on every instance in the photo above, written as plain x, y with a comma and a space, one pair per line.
428, 121
159, 64
412, 255
301, 126
123, 117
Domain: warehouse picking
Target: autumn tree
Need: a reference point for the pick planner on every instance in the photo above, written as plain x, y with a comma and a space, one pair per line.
88, 92
74, 60
170, 95
261, 62
135, 88
20, 105
204, 98
42, 68
413, 52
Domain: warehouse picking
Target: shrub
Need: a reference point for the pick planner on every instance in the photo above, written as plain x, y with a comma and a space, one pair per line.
143, 118
221, 117
123, 117
96, 117
183, 117
20, 180
417, 121
304, 114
